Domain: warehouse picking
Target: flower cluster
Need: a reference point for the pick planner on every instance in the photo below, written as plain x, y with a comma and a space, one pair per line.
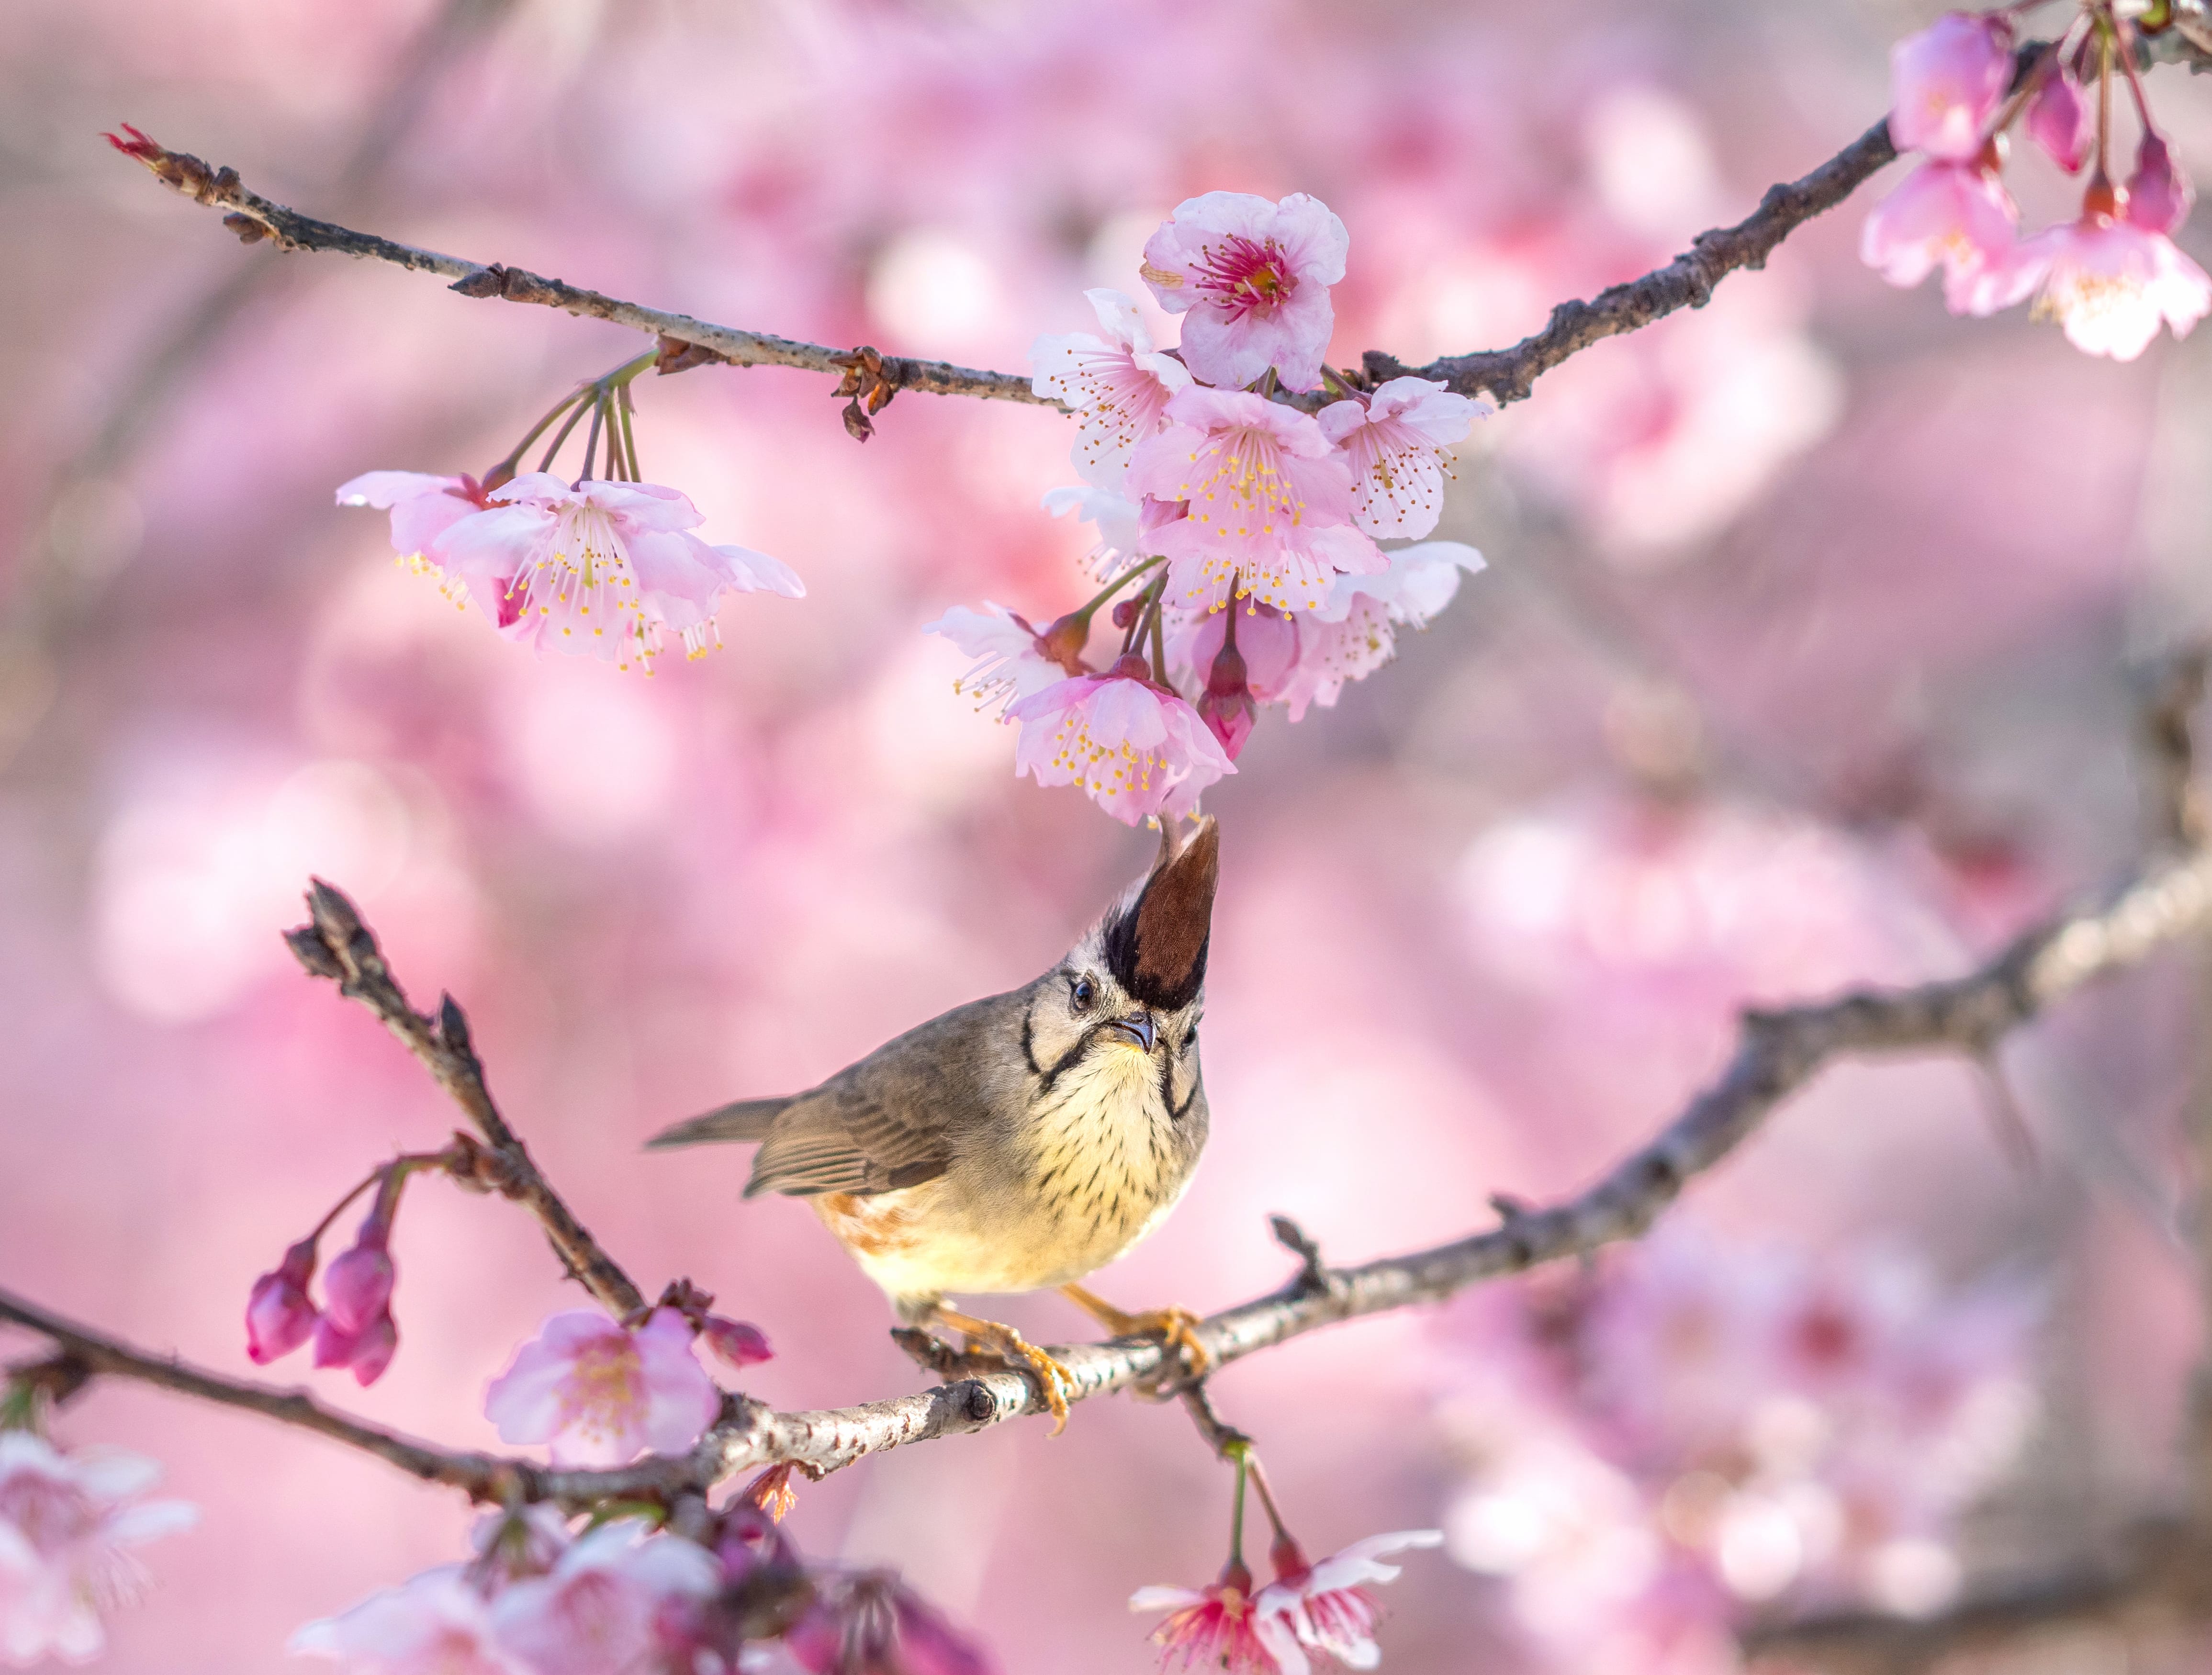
354, 1328
624, 1598
2109, 277
607, 567
1236, 1626
66, 1522
1701, 1425
1214, 500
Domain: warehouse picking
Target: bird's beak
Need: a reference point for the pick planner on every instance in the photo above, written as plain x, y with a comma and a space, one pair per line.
1139, 1027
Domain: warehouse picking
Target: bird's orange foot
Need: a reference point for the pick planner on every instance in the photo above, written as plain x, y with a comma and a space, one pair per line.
1011, 1346
1176, 1328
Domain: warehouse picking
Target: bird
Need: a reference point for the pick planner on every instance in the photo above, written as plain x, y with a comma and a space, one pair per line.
1021, 1141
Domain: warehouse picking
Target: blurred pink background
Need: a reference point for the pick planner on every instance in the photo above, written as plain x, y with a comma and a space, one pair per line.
1798, 662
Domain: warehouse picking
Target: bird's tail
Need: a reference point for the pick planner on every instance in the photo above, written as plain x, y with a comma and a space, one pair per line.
741, 1120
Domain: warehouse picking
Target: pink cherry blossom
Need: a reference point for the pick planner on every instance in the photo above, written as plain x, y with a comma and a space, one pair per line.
1251, 279
279, 1315
1327, 1604
433, 1623
1222, 1628
2109, 283
1010, 661
1957, 214
1945, 83
1354, 632
1226, 705
598, 1394
1118, 385
1269, 502
1132, 746
605, 569
2058, 120
66, 1520
423, 508
1119, 521
2159, 193
1395, 441
600, 1610
874, 1625
1267, 640
356, 1330
736, 1344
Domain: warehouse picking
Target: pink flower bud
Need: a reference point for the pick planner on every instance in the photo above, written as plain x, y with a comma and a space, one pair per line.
1062, 642
2058, 120
2159, 193
279, 1317
1226, 704
1946, 82
357, 1288
738, 1343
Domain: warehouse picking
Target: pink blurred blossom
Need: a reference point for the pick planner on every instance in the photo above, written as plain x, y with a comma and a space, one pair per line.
433, 1623
2159, 191
1009, 663
1396, 441
736, 1344
2109, 283
66, 1520
279, 1314
1118, 385
1251, 279
607, 569
1222, 1627
598, 1394
1270, 502
1957, 214
1328, 1604
1946, 82
2058, 120
1132, 746
600, 1610
874, 1625
1355, 630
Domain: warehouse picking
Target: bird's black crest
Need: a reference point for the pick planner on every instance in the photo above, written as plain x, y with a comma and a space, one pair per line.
1155, 946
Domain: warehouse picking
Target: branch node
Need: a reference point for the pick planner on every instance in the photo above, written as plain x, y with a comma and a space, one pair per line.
1313, 1275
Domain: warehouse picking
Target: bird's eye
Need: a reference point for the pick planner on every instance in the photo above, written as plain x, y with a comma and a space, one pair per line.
1081, 994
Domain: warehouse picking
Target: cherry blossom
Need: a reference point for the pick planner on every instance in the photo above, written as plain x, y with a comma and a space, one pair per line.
356, 1330
1226, 706
874, 1625
2159, 193
604, 569
1396, 440
1121, 522
2058, 120
1354, 632
1267, 640
1118, 385
2109, 283
433, 1623
1945, 83
736, 1344
1327, 1604
600, 1609
1132, 746
423, 507
279, 1314
1955, 214
598, 1394
1251, 279
1269, 502
66, 1520
1010, 659
1222, 1627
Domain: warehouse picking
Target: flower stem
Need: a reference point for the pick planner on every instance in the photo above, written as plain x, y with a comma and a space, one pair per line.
1236, 1509
508, 464
1267, 1498
592, 442
2105, 100
627, 411
1159, 638
2135, 82
546, 464
1115, 587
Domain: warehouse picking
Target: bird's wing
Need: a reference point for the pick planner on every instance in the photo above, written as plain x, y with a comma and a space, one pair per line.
742, 1120
841, 1140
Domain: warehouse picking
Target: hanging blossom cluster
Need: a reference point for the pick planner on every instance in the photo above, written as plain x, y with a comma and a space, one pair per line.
604, 567
1240, 1627
1242, 531
2108, 278
1702, 1425
628, 1598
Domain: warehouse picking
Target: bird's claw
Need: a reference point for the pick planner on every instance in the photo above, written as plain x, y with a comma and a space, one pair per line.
1175, 1329
1053, 1379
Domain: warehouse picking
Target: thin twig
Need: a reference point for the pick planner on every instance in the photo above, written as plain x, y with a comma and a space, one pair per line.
337, 944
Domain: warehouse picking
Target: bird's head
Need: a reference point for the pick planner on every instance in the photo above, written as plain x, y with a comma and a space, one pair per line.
1137, 980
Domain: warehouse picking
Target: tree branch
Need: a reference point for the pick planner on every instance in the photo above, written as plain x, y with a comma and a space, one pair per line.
1778, 1052
1506, 375
336, 945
